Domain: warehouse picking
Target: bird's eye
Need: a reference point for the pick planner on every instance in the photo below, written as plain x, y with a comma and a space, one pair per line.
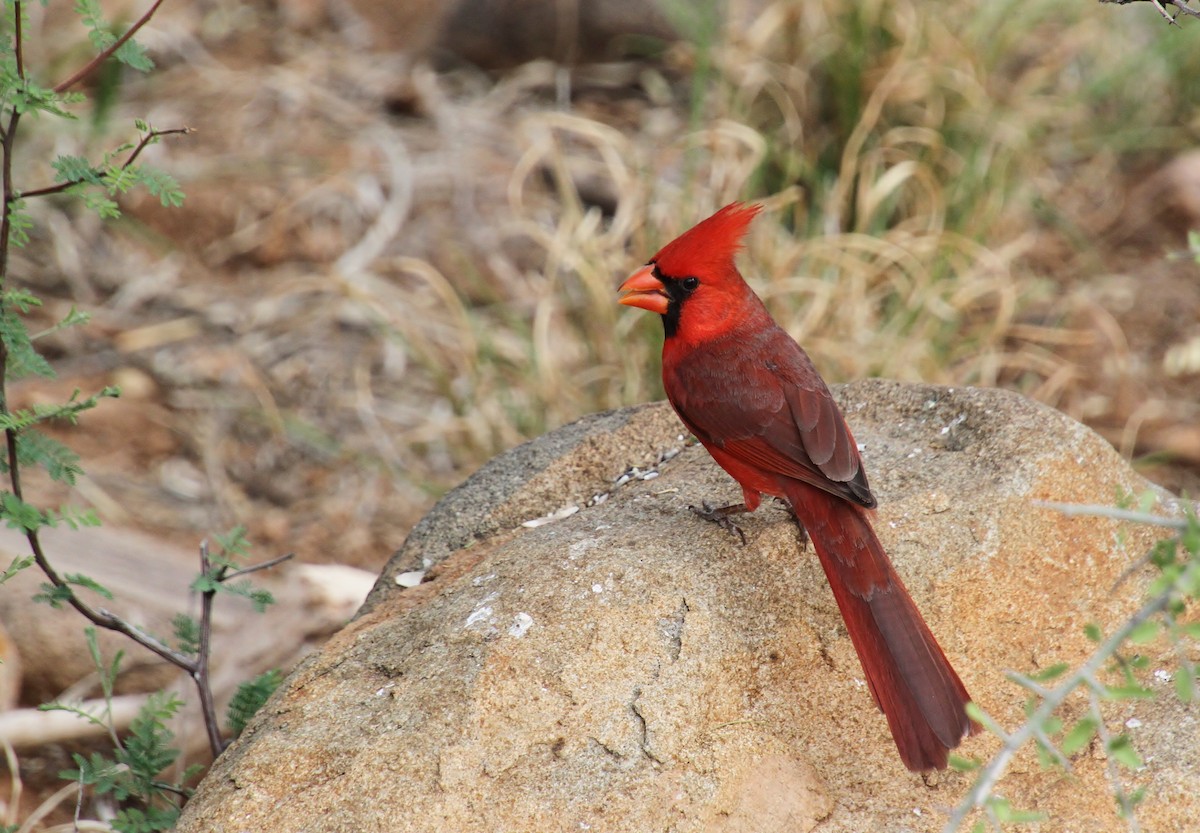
690, 283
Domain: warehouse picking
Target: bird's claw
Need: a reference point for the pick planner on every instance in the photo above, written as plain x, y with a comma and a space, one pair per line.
802, 532
720, 516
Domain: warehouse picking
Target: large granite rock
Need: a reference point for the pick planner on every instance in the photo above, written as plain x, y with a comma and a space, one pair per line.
628, 667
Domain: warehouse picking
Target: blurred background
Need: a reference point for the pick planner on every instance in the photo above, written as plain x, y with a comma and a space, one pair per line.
405, 224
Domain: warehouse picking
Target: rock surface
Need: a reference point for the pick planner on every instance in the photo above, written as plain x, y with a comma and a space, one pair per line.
628, 667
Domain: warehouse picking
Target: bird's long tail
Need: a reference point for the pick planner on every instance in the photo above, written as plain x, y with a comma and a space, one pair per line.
912, 681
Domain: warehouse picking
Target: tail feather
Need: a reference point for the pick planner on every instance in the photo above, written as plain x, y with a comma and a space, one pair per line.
908, 674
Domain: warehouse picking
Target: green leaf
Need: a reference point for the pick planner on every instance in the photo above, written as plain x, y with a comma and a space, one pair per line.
1007, 814
102, 774
60, 462
1050, 673
119, 180
149, 748
1185, 683
18, 514
19, 563
1080, 735
976, 712
90, 14
1145, 632
72, 517
1121, 750
205, 583
73, 318
1191, 629
960, 763
70, 708
98, 202
250, 697
75, 169
108, 673
1163, 553
233, 544
1092, 631
23, 359
1190, 537
53, 595
258, 597
80, 580
19, 223
187, 633
164, 186
133, 54
1127, 692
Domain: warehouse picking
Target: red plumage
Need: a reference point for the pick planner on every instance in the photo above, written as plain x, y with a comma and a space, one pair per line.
751, 395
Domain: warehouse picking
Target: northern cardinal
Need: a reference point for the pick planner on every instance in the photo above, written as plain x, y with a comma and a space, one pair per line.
752, 396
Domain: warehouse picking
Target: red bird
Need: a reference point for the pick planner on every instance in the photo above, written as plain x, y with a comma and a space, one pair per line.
752, 396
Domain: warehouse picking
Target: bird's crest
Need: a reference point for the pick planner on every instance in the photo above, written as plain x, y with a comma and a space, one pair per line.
707, 248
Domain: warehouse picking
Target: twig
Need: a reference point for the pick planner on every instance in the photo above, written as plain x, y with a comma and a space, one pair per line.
18, 36
200, 671
16, 786
254, 568
1109, 764
59, 187
1113, 513
91, 66
1182, 5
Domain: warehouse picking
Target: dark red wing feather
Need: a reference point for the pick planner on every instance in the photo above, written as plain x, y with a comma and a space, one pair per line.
764, 403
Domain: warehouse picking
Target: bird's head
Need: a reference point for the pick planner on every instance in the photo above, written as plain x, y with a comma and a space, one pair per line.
692, 282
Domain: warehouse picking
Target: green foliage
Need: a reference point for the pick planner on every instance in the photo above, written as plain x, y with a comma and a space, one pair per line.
36, 449
19, 222
131, 774
230, 557
75, 169
162, 185
187, 633
20, 515
18, 563
249, 698
23, 359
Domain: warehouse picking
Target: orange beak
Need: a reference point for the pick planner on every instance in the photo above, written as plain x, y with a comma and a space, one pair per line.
645, 291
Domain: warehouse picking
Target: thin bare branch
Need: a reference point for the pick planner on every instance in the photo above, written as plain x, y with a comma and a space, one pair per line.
201, 671
254, 568
1113, 513
94, 64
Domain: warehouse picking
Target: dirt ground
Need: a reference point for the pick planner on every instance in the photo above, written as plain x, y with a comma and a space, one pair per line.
262, 381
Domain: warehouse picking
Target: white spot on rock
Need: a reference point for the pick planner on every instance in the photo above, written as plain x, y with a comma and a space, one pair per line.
522, 622
410, 579
558, 515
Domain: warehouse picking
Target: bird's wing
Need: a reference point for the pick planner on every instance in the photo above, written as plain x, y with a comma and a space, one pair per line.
763, 402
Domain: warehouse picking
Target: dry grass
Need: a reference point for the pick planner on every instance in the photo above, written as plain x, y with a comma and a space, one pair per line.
372, 306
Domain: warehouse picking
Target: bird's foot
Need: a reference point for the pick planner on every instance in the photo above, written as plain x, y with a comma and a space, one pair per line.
720, 516
803, 534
